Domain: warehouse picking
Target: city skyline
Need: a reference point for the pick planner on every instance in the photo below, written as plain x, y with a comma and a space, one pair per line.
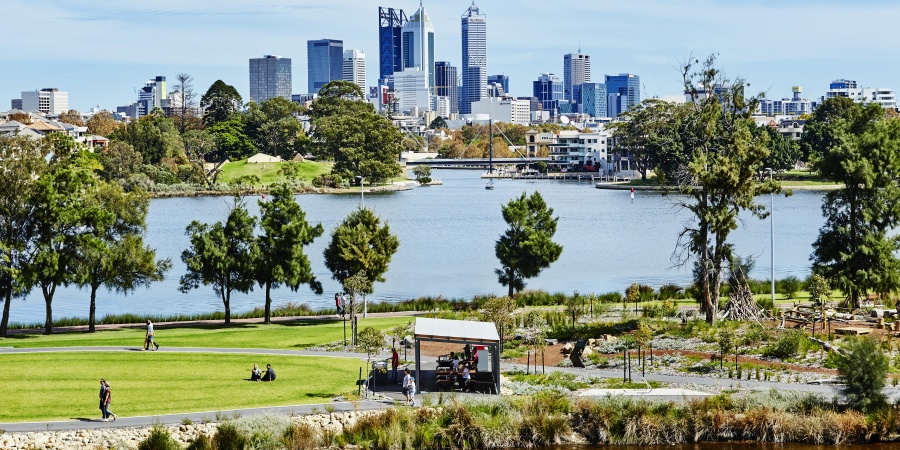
214, 40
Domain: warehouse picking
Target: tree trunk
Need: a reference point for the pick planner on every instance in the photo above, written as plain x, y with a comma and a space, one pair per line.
92, 317
226, 299
48, 300
268, 302
4, 323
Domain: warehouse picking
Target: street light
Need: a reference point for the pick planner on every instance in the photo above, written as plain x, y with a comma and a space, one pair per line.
772, 235
362, 197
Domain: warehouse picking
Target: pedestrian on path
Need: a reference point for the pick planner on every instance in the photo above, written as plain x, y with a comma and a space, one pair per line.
406, 381
148, 340
102, 398
395, 362
412, 391
107, 400
339, 304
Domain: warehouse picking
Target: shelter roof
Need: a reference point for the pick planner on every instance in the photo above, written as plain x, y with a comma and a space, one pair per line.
456, 330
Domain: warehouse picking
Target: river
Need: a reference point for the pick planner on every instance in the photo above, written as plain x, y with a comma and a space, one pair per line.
447, 236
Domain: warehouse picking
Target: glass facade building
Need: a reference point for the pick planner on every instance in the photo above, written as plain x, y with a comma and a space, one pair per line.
474, 58
270, 77
549, 91
418, 45
325, 59
623, 91
445, 84
591, 99
576, 70
390, 24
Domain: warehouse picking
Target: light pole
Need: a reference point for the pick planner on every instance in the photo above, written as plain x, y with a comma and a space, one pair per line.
362, 197
772, 234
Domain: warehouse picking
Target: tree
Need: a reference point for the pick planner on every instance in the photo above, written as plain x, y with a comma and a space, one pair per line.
821, 131
198, 145
60, 215
856, 248
371, 339
285, 233
784, 152
527, 247
422, 171
361, 244
437, 123
23, 159
102, 123
73, 117
274, 127
154, 136
862, 368
221, 102
232, 142
645, 132
725, 339
819, 289
725, 154
111, 252
499, 310
185, 114
574, 307
222, 255
338, 97
120, 161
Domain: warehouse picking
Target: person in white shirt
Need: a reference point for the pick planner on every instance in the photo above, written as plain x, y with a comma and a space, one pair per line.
454, 361
406, 381
466, 378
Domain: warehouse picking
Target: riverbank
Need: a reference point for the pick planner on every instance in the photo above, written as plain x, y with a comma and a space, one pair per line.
627, 186
298, 189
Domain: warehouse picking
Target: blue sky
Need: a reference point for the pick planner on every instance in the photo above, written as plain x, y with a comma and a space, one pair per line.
100, 51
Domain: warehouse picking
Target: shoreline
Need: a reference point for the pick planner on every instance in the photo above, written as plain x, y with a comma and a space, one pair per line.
623, 186
304, 189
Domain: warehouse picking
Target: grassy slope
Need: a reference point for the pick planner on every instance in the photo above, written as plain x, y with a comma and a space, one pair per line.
269, 172
293, 336
63, 386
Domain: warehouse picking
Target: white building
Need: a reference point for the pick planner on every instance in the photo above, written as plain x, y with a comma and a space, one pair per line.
441, 106
355, 67
572, 150
794, 106
417, 37
411, 90
504, 109
48, 101
850, 89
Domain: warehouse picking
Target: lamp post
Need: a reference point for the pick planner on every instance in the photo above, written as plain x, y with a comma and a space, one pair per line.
362, 197
772, 234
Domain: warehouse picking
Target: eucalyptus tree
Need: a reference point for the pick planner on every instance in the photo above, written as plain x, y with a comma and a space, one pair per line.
285, 233
527, 247
221, 102
222, 255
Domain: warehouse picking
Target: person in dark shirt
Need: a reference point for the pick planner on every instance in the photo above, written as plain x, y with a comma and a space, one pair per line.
270, 374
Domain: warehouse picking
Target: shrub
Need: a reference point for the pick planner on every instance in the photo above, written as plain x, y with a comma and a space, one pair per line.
669, 291
202, 442
789, 286
787, 346
862, 369
300, 436
159, 439
229, 438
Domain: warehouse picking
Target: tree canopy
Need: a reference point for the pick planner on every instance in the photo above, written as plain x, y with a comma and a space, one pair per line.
154, 136
361, 244
527, 247
220, 103
274, 127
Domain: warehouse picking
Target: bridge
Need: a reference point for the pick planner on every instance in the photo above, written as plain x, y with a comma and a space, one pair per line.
471, 163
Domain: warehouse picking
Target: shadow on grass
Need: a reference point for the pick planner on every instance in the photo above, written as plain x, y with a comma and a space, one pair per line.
319, 395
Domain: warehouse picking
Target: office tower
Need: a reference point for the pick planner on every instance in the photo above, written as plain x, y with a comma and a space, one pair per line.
16, 103
549, 91
576, 70
355, 68
445, 84
499, 80
623, 91
411, 91
325, 62
390, 24
474, 58
47, 101
418, 45
270, 77
590, 98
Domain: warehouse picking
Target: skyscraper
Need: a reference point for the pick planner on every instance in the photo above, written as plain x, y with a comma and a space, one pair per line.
270, 77
576, 70
549, 91
474, 58
47, 101
499, 80
355, 68
325, 60
418, 45
390, 45
623, 91
445, 84
591, 99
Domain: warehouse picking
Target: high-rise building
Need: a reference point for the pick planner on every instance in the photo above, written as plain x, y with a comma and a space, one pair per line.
590, 98
411, 90
501, 81
325, 62
850, 89
474, 58
390, 45
445, 84
47, 101
623, 91
418, 45
270, 77
576, 70
16, 103
355, 68
549, 91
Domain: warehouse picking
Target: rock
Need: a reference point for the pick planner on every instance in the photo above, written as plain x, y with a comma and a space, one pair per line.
566, 349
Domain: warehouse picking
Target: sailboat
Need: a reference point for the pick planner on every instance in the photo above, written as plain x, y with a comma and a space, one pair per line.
490, 185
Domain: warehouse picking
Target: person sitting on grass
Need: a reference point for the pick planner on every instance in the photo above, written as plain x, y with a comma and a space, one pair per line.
270, 374
255, 373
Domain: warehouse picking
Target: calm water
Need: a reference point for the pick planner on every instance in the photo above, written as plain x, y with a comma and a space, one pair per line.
730, 446
447, 236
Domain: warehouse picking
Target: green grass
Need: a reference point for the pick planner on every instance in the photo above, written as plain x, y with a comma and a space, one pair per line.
293, 335
65, 386
268, 173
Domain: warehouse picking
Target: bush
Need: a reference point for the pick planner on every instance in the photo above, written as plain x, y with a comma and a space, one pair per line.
159, 439
229, 438
862, 369
203, 442
669, 291
789, 286
787, 346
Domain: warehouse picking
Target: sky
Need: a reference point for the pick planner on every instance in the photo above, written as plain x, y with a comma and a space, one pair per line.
102, 51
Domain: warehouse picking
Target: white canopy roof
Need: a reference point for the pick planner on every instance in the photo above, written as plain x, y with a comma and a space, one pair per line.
456, 330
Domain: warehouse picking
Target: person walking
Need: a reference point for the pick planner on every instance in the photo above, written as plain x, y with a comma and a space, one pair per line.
102, 398
395, 363
407, 379
338, 304
412, 390
148, 340
107, 399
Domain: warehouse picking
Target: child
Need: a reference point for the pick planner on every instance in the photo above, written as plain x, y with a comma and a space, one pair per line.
412, 391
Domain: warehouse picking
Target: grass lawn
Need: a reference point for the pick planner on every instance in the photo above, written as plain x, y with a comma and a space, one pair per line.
269, 172
292, 336
64, 386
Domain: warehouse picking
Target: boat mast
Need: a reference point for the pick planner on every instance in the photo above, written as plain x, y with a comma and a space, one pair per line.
491, 153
